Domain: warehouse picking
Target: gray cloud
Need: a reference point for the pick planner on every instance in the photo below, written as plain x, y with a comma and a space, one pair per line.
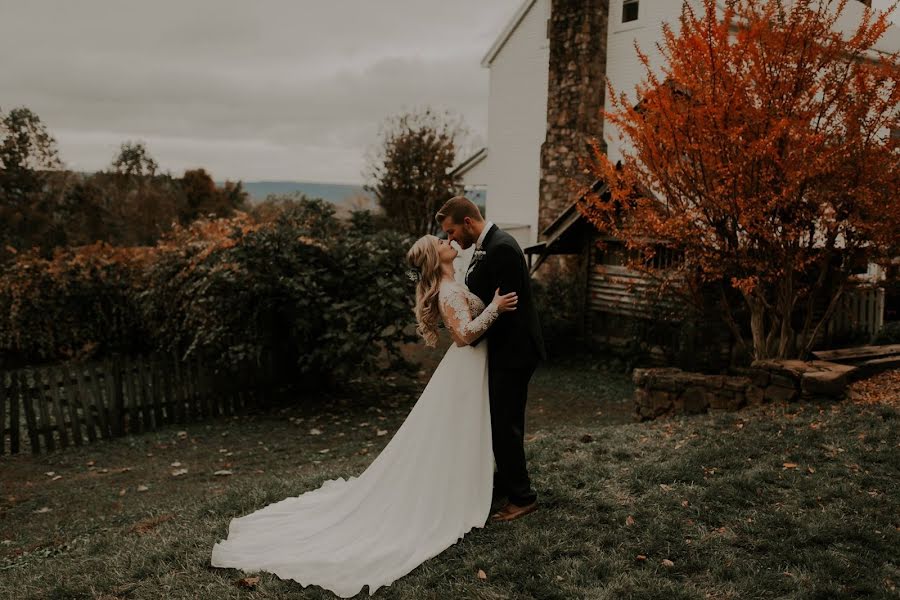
271, 89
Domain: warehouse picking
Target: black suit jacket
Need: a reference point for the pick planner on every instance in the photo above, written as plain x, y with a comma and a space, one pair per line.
515, 339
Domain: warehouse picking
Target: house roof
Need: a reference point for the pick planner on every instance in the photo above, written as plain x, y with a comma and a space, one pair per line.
470, 163
558, 232
507, 33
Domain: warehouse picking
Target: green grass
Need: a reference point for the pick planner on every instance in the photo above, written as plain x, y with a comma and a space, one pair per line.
709, 493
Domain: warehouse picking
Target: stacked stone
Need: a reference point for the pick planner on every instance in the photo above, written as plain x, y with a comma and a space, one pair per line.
670, 390
807, 380
575, 95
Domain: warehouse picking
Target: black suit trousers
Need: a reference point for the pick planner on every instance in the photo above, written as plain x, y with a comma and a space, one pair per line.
508, 390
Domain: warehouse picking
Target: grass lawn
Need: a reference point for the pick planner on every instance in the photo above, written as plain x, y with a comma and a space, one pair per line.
782, 501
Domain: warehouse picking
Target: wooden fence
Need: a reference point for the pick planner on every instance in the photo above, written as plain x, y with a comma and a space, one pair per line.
862, 311
45, 408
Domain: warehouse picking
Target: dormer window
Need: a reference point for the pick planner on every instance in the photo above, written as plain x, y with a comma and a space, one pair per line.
629, 11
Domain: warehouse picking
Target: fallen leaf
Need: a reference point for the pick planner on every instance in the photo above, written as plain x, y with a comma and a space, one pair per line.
482, 575
640, 557
315, 431
665, 487
50, 473
324, 451
668, 563
381, 432
790, 465
145, 525
810, 469
91, 463
142, 488
56, 477
122, 492
175, 464
223, 472
179, 472
247, 582
629, 520
685, 503
43, 509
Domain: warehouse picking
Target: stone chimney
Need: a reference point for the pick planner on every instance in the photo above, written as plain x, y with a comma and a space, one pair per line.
575, 95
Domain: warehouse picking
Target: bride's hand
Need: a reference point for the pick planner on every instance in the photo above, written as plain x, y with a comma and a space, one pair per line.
505, 302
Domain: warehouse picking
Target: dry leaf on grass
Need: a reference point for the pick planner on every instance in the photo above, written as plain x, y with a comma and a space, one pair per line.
482, 575
667, 563
629, 520
146, 525
179, 472
223, 473
247, 582
790, 465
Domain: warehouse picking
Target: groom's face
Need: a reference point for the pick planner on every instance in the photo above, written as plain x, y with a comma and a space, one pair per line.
461, 233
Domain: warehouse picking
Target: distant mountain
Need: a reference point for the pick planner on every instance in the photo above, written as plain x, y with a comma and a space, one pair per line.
344, 195
338, 193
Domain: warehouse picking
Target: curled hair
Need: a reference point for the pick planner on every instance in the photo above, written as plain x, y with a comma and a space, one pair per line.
424, 256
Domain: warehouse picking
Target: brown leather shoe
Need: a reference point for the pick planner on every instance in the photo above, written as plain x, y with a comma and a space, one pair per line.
511, 512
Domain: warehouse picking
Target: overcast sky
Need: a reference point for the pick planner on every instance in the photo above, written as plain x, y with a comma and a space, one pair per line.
270, 89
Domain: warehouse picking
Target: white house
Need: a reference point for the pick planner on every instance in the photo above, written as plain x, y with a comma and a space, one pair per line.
528, 100
548, 73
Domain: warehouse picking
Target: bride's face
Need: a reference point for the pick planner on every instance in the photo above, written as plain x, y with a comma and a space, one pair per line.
446, 252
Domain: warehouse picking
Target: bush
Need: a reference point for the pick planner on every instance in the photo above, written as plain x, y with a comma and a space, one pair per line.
321, 297
311, 297
77, 305
557, 300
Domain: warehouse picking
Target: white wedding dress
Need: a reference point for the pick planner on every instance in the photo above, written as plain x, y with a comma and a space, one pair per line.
429, 486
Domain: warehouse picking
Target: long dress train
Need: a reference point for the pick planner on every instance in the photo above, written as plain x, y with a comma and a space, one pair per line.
429, 486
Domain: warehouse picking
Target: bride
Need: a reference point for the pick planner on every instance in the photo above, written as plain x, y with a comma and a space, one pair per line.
430, 485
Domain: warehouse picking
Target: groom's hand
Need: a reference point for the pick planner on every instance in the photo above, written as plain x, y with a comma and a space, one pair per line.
505, 302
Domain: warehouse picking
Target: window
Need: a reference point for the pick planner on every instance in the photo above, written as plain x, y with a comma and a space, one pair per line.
629, 11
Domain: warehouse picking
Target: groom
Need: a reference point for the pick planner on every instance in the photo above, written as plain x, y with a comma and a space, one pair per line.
514, 349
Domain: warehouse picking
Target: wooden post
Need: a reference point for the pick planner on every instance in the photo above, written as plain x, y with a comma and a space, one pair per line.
118, 397
103, 408
178, 391
3, 402
86, 405
194, 386
130, 399
61, 378
41, 399
53, 388
20, 387
157, 392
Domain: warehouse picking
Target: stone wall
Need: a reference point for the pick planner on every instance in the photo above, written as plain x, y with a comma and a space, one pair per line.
575, 96
673, 391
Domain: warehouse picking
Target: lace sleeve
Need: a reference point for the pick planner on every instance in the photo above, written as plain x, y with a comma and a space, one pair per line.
463, 328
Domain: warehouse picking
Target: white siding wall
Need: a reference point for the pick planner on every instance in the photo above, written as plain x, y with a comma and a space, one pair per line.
517, 117
622, 65
476, 177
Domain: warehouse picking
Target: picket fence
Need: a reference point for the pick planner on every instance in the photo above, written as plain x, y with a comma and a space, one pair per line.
58, 406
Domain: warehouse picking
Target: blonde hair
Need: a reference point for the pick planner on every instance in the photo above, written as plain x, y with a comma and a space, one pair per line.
424, 256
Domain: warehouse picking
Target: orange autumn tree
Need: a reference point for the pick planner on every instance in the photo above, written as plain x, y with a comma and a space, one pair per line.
762, 154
